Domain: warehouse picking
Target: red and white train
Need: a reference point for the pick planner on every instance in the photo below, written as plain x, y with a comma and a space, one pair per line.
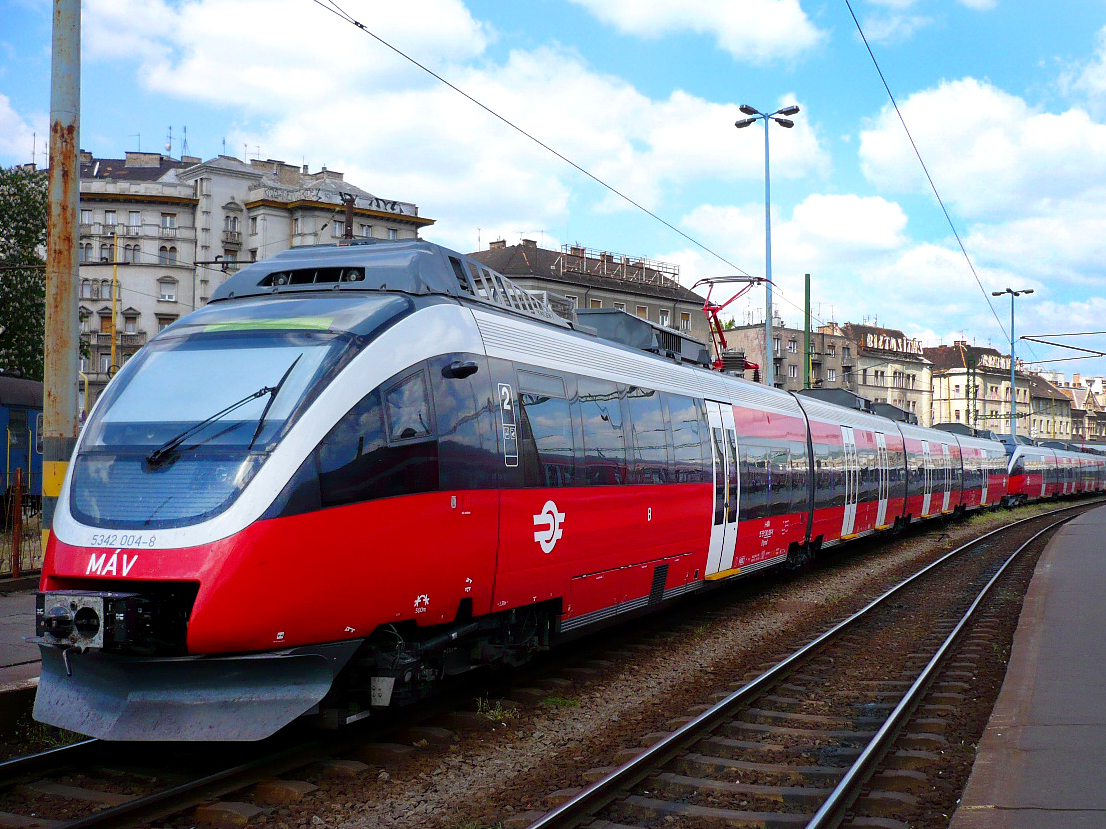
361, 469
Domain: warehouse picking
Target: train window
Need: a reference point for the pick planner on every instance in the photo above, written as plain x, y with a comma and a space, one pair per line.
38, 433
546, 441
407, 406
755, 482
545, 431
465, 422
363, 458
604, 437
689, 428
650, 438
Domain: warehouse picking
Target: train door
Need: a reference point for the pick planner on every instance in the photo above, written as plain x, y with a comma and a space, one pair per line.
946, 475
882, 460
927, 478
985, 466
18, 447
852, 481
723, 447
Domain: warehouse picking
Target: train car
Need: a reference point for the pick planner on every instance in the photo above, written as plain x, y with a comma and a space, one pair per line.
21, 429
360, 470
860, 485
985, 481
1033, 472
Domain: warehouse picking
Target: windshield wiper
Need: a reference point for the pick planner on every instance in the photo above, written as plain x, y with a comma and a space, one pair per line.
160, 455
269, 403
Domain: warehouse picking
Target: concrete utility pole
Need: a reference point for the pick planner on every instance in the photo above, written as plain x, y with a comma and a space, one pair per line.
348, 199
61, 347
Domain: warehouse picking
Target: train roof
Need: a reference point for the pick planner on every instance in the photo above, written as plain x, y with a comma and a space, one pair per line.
18, 391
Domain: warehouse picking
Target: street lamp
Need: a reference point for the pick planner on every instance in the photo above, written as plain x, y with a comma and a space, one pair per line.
1013, 362
754, 116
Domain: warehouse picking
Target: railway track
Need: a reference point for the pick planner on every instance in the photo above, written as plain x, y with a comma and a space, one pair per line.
95, 784
839, 732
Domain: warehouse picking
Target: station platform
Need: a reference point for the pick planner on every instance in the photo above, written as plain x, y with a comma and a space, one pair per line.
1042, 761
19, 661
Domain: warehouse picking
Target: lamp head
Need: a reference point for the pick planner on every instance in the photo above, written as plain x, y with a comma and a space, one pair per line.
784, 122
744, 122
748, 110
791, 110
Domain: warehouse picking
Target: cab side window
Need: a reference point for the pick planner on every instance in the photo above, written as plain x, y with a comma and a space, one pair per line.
384, 446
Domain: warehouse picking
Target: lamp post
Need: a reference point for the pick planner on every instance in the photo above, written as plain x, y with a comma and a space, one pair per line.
1013, 363
754, 116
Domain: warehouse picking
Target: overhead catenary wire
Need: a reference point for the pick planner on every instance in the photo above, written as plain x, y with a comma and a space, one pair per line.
929, 178
336, 10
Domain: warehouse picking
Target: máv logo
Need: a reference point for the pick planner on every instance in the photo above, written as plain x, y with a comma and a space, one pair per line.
553, 522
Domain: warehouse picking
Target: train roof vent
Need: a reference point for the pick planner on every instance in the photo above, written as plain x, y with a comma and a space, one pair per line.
622, 327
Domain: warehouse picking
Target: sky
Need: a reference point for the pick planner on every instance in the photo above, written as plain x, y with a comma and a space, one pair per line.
1005, 100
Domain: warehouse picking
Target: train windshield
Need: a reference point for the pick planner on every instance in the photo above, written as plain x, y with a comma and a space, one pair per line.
190, 420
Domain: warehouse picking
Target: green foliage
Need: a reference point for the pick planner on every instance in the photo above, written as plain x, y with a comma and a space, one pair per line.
24, 210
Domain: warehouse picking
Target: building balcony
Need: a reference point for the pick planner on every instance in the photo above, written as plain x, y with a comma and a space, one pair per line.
232, 238
133, 339
167, 232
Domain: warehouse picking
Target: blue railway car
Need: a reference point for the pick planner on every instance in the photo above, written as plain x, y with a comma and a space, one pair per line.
21, 435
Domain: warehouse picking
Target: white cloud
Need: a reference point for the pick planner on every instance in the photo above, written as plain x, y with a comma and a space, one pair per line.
1086, 80
894, 28
990, 153
18, 133
342, 99
754, 30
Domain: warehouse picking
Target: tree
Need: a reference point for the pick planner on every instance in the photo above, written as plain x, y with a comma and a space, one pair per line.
24, 210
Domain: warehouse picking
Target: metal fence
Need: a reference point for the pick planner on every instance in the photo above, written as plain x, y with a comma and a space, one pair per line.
20, 529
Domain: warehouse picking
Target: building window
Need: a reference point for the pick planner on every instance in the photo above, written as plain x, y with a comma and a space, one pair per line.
956, 415
662, 318
621, 306
573, 301
339, 228
775, 345
134, 218
86, 289
253, 225
831, 350
297, 225
109, 218
172, 256
685, 321
84, 316
643, 312
167, 290
165, 322
792, 346
86, 217
253, 254
393, 234
130, 325
846, 352
831, 374
105, 289
595, 303
105, 363
366, 231
792, 371
168, 220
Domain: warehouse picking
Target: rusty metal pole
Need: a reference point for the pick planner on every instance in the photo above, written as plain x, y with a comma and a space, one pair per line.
61, 351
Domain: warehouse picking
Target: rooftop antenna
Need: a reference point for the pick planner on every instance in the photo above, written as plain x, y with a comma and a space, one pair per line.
137, 135
184, 144
478, 239
224, 145
169, 143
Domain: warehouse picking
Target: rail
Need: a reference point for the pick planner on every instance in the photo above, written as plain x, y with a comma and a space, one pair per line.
588, 803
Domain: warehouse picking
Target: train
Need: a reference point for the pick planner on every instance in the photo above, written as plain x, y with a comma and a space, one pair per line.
362, 470
21, 430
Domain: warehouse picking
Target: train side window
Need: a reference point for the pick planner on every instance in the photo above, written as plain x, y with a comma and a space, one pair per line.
689, 427
38, 433
465, 421
604, 436
755, 480
545, 431
407, 406
383, 447
650, 437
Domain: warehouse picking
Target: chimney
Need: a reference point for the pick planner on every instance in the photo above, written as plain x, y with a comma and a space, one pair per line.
529, 243
576, 250
288, 174
305, 169
1076, 379
498, 244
